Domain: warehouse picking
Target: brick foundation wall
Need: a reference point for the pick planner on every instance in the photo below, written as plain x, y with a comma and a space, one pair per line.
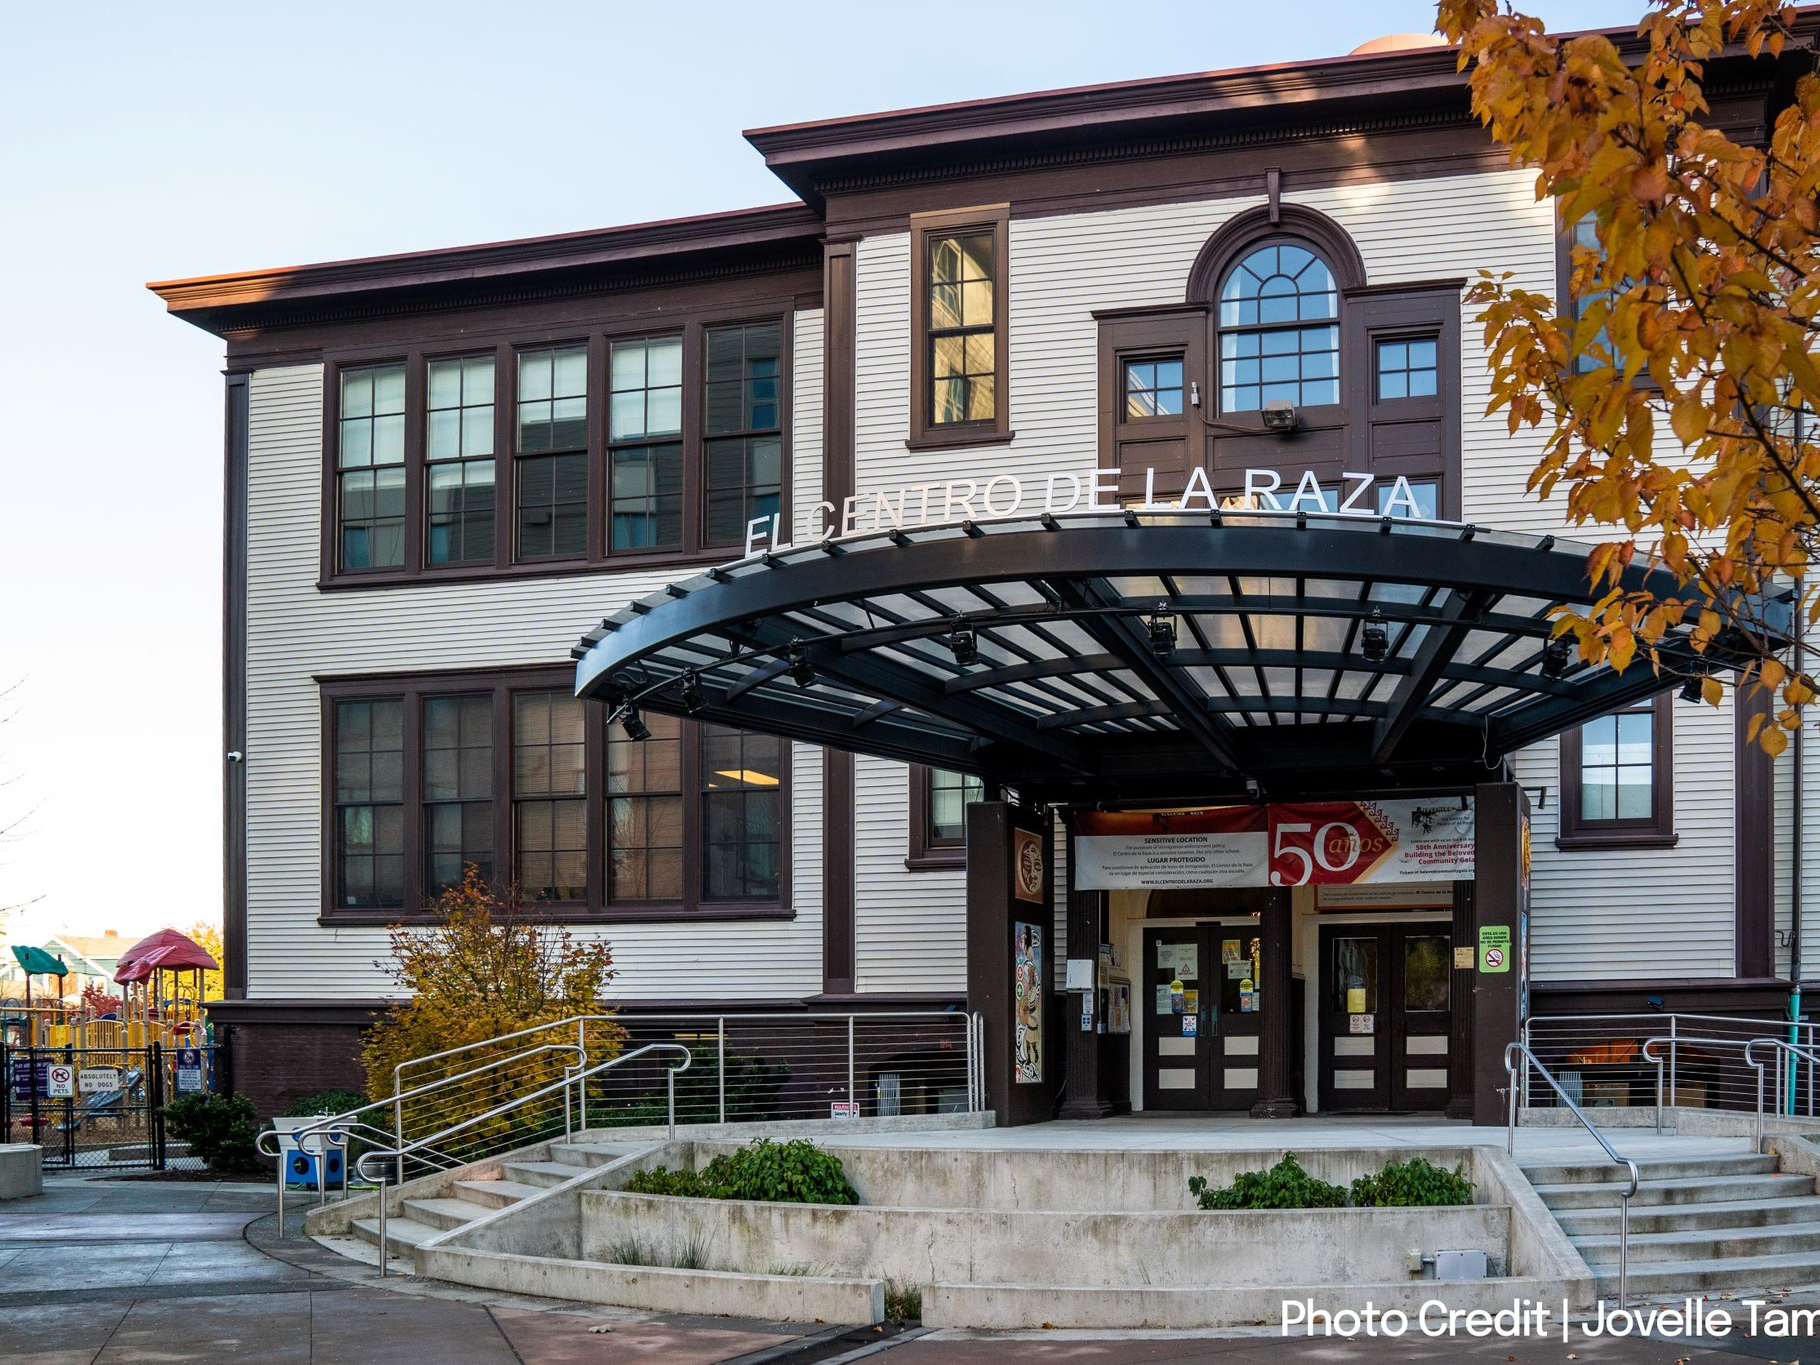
280, 1052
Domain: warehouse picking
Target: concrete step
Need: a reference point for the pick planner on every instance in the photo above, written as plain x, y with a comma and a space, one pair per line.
1591, 1172
1715, 1217
494, 1194
400, 1232
542, 1174
1735, 1272
590, 1153
443, 1214
1692, 1190
1785, 1239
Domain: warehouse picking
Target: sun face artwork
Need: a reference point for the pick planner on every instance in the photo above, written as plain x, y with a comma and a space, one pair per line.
1027, 986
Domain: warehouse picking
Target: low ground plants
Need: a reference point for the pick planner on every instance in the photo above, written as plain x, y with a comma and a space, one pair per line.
795, 1172
1401, 1184
220, 1129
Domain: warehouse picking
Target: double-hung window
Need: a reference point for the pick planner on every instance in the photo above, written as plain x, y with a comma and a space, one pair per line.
742, 445
458, 458
370, 468
938, 816
552, 447
959, 263
645, 446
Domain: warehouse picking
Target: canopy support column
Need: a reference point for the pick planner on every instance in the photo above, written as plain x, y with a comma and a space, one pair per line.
1277, 1028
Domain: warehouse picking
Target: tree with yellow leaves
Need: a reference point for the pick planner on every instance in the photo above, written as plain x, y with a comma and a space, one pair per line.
486, 966
1678, 397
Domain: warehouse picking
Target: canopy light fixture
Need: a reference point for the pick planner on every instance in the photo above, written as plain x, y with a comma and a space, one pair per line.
1556, 655
1694, 689
1162, 631
635, 728
800, 668
692, 699
1374, 637
964, 641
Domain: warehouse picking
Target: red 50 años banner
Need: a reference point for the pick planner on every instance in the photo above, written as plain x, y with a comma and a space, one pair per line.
1282, 844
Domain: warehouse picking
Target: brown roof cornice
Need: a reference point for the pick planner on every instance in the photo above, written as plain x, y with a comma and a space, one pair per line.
219, 303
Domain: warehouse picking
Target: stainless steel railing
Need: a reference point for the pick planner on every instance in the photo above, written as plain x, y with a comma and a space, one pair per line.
763, 1066
1601, 1044
335, 1130
1521, 1050
572, 1079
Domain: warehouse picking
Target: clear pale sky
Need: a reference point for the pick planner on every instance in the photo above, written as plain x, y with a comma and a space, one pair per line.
148, 142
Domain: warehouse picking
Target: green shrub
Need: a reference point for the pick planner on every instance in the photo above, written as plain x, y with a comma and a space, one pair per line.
796, 1172
1412, 1184
663, 1180
1284, 1186
218, 1128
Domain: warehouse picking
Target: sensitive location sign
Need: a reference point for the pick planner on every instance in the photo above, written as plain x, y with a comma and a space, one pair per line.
1329, 843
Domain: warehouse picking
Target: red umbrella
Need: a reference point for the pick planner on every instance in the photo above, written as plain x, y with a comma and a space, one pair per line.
172, 950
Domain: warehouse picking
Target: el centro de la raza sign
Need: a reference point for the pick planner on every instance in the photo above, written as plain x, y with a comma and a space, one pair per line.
1003, 496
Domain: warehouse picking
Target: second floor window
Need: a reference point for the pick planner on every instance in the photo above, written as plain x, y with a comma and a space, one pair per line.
509, 460
958, 299
938, 816
370, 478
458, 454
1279, 331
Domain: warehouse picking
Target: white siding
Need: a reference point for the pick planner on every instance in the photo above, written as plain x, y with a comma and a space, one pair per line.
297, 633
910, 928
1596, 915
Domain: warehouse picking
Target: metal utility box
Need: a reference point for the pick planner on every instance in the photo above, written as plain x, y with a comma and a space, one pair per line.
1461, 1265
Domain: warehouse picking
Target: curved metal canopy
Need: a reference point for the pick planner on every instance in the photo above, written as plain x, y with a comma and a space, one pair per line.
1269, 680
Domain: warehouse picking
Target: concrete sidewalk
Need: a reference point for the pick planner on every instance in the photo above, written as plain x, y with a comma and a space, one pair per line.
94, 1272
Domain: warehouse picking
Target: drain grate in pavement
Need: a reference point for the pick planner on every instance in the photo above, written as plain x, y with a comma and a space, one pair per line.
837, 1343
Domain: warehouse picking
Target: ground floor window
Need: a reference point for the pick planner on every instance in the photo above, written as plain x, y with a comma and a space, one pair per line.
938, 816
510, 773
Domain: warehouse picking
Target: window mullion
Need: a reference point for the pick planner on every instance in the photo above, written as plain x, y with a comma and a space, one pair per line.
412, 717
505, 844
416, 497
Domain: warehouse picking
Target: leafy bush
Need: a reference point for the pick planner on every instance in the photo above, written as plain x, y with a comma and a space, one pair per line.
218, 1128
796, 1172
663, 1180
1284, 1186
1412, 1184
1401, 1184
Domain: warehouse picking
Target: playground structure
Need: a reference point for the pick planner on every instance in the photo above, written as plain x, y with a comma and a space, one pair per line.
87, 1080
160, 1000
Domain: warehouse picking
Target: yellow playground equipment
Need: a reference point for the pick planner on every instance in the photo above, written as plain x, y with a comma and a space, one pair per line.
160, 1000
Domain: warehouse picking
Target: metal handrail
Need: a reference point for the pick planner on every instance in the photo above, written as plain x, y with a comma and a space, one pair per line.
1511, 1053
570, 1078
1674, 1041
1796, 1051
338, 1122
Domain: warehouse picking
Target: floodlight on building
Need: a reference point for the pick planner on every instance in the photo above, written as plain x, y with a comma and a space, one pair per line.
1162, 631
632, 724
1556, 655
1374, 637
800, 668
964, 641
693, 700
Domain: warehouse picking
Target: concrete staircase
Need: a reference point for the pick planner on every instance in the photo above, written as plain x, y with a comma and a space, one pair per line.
466, 1200
1732, 1222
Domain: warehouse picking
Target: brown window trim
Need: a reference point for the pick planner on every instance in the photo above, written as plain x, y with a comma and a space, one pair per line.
925, 854
502, 683
924, 434
1655, 832
695, 551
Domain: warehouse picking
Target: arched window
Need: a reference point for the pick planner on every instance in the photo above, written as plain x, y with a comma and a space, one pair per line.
1279, 325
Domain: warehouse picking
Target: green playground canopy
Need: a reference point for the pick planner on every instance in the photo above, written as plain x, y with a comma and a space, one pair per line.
37, 962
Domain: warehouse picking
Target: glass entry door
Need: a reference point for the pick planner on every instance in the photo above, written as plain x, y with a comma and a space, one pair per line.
1385, 1010
1202, 1003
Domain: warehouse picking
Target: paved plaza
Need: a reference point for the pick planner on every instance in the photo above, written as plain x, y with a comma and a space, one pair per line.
95, 1272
